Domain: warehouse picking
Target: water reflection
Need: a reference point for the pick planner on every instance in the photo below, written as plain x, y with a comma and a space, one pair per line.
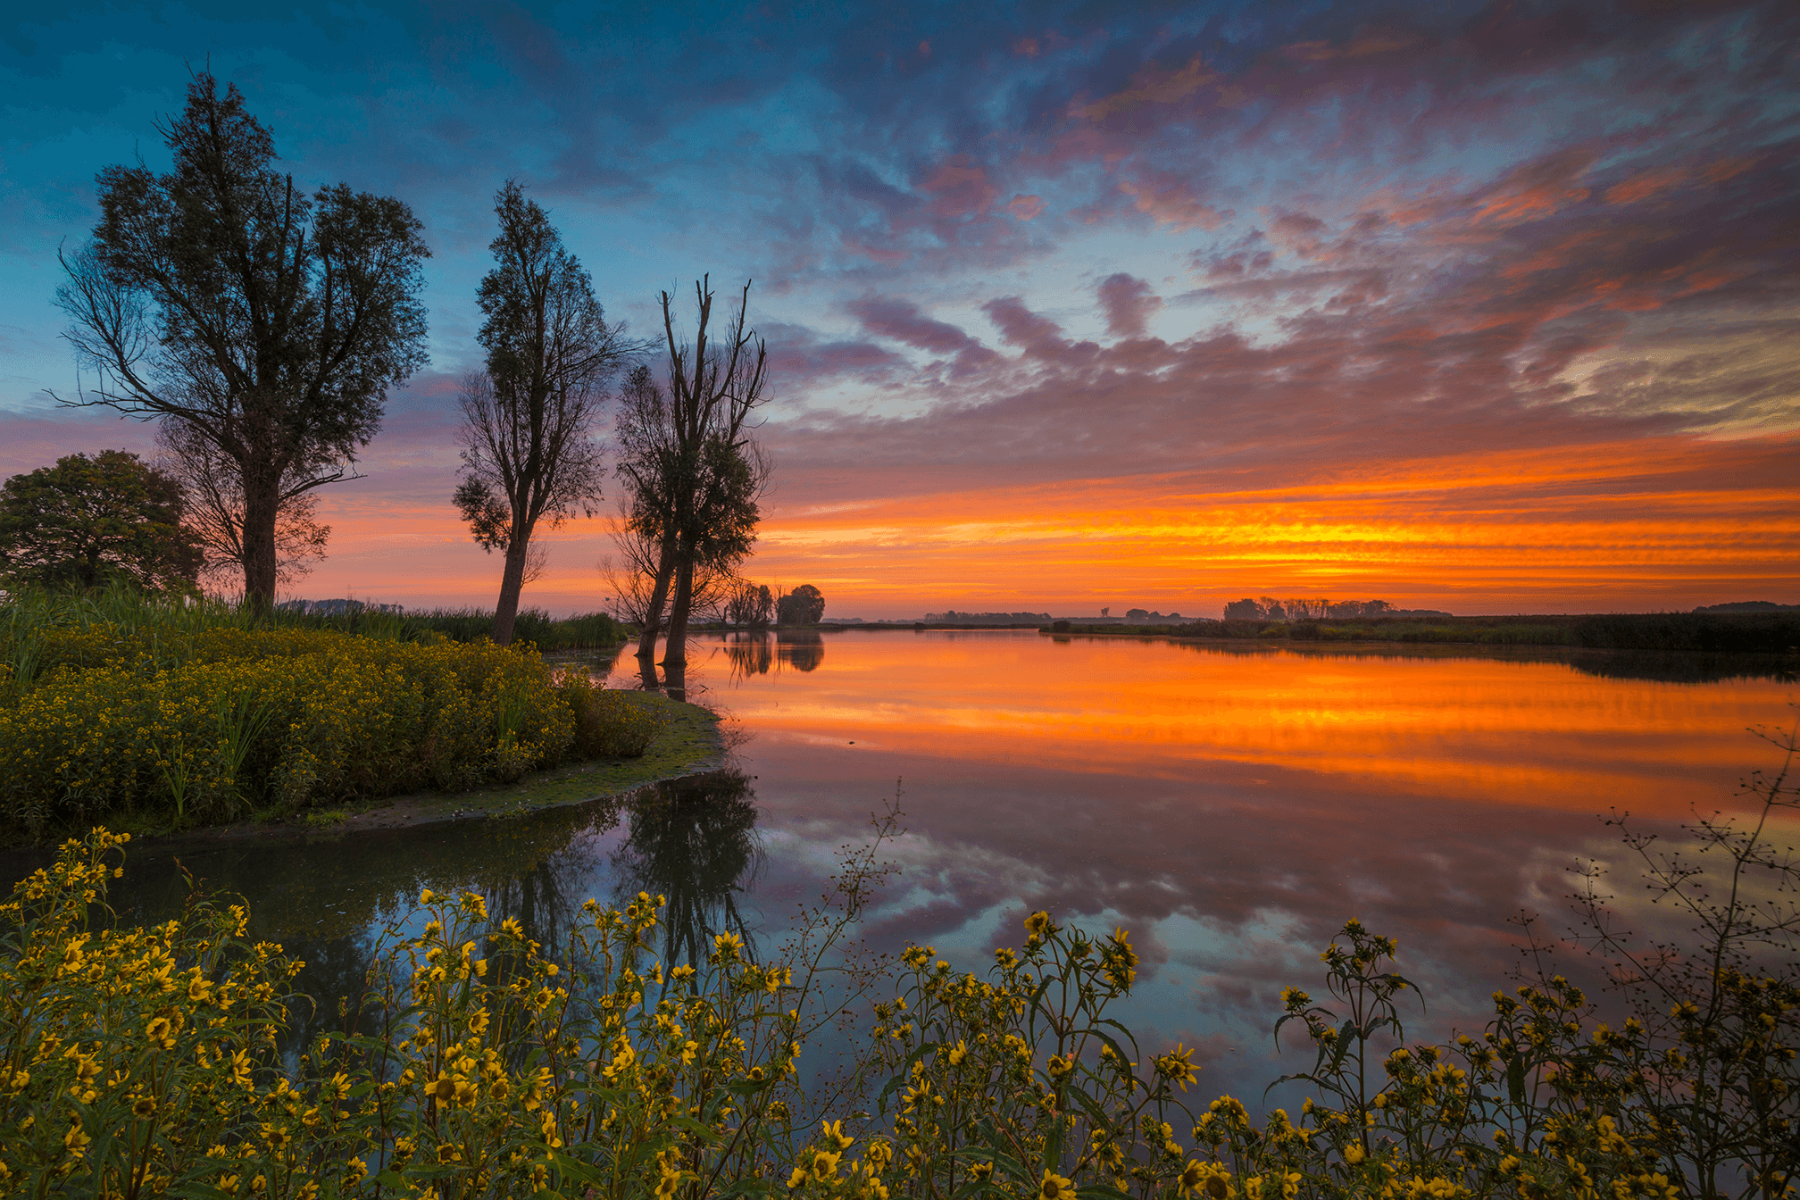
750, 654
803, 650
693, 841
1230, 804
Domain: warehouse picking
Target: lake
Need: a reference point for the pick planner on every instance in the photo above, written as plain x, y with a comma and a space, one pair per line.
1229, 804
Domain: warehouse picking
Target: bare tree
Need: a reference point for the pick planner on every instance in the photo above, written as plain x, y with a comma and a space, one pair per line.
215, 511
266, 322
693, 472
529, 451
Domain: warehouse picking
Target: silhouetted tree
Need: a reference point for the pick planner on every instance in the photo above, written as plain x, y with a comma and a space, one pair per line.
269, 323
529, 452
750, 604
215, 508
692, 469
802, 606
86, 522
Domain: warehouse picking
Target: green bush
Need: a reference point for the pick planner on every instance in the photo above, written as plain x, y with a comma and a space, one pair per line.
170, 714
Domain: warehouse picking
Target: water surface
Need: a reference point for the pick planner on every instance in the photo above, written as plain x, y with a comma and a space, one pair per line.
1231, 805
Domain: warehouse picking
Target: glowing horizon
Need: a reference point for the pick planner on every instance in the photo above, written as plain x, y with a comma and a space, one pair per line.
1485, 311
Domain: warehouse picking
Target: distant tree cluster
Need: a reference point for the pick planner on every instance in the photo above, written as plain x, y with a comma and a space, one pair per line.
802, 606
1267, 608
951, 617
1143, 616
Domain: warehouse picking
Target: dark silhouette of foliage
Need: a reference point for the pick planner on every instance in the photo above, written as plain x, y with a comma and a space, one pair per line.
693, 472
267, 322
529, 451
87, 522
215, 511
802, 606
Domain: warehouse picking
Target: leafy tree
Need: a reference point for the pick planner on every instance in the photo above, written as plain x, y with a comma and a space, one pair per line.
1243, 610
692, 470
529, 452
215, 512
87, 522
268, 323
802, 606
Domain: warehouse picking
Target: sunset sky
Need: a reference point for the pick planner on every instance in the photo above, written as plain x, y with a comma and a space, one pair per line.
1485, 307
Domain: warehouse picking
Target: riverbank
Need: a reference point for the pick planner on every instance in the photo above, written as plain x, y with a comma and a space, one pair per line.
688, 743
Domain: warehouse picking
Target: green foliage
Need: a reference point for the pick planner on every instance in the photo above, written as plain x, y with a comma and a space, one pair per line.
89, 522
607, 723
120, 709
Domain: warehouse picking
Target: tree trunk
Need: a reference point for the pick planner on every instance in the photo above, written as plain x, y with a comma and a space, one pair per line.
675, 651
512, 582
659, 596
262, 500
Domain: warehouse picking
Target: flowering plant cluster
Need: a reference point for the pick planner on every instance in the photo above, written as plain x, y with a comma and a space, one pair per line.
142, 724
151, 1061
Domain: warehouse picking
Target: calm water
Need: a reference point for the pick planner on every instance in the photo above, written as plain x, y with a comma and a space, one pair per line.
1231, 806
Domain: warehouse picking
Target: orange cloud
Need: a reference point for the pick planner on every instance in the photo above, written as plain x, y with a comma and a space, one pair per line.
1669, 522
1645, 185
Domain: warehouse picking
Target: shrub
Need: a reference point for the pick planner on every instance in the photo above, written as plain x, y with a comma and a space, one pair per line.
166, 720
607, 724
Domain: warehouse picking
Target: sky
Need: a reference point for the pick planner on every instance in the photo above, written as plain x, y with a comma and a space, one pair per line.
1469, 306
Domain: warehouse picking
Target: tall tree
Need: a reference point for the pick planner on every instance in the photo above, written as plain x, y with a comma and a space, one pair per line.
269, 323
87, 522
529, 448
693, 471
215, 508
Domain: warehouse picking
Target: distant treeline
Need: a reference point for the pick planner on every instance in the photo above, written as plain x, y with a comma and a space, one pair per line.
1268, 608
952, 617
1759, 632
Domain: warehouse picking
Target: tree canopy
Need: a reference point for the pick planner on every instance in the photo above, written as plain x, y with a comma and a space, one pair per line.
529, 418
802, 606
268, 322
87, 522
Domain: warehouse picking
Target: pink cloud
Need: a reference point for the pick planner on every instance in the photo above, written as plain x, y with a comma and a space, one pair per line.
959, 189
1025, 207
1172, 202
1128, 302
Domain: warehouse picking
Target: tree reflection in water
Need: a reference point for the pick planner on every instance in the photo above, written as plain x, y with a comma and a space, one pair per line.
803, 651
694, 842
748, 654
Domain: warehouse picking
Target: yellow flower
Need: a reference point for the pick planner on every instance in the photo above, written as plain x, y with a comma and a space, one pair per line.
1177, 1066
1039, 925
834, 1133
1054, 1186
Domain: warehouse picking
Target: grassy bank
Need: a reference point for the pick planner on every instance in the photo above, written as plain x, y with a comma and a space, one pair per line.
585, 631
155, 715
1716, 633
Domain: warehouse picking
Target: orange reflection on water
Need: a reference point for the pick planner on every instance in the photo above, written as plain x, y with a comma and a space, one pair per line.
1535, 732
